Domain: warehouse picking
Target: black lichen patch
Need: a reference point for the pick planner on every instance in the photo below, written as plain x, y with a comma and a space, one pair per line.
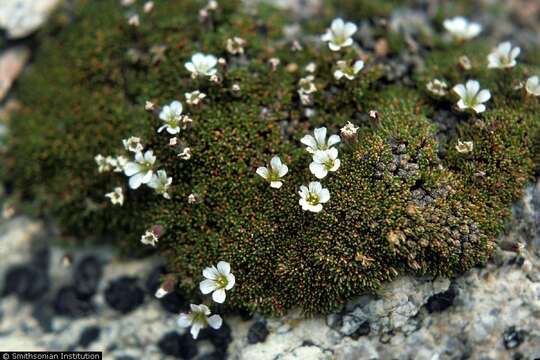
178, 346
403, 201
257, 332
89, 335
124, 294
69, 303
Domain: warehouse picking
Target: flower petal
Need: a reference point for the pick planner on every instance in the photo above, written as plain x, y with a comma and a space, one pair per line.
224, 267
184, 320
219, 296
215, 321
207, 286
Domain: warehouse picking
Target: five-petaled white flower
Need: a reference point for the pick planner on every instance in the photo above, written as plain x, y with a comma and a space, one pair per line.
437, 87
161, 183
195, 97
323, 162
532, 86
275, 173
133, 144
345, 69
471, 97
149, 238
503, 56
318, 141
199, 318
116, 196
464, 147
141, 170
172, 115
306, 85
339, 35
461, 29
313, 196
202, 65
236, 45
218, 279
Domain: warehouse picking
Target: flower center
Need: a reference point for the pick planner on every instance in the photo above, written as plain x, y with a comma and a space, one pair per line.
329, 164
274, 175
312, 199
222, 281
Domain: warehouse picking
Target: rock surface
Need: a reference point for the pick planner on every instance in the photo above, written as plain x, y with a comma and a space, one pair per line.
19, 18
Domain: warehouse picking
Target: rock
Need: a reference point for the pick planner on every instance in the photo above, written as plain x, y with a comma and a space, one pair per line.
12, 62
178, 346
124, 294
89, 335
513, 338
257, 332
22, 17
87, 275
26, 282
68, 303
220, 338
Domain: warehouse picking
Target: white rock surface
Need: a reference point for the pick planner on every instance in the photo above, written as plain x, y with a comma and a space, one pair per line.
22, 17
12, 62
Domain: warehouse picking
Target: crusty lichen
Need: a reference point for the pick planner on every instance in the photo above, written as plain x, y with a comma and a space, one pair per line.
403, 201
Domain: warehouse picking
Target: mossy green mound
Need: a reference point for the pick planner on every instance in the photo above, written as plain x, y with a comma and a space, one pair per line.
403, 201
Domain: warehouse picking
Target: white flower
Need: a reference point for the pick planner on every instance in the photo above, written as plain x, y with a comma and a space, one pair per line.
323, 162
161, 183
312, 197
148, 105
202, 65
141, 170
134, 20
236, 45
172, 115
185, 154
218, 279
275, 173
274, 62
532, 86
195, 97
118, 163
116, 196
148, 6
461, 29
149, 238
306, 85
503, 56
318, 141
194, 198
349, 130
311, 67
199, 319
133, 144
464, 147
339, 35
103, 164
345, 69
471, 97
437, 87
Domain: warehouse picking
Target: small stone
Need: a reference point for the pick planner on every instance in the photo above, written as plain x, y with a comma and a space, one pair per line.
179, 346
363, 330
89, 335
220, 338
512, 338
124, 294
26, 282
257, 332
441, 301
87, 275
68, 303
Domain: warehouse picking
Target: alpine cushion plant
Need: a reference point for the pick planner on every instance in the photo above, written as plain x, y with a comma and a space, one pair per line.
403, 196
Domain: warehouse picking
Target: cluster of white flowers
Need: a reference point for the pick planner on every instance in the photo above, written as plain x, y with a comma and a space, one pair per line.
116, 196
464, 147
306, 87
437, 87
110, 163
218, 280
235, 45
195, 97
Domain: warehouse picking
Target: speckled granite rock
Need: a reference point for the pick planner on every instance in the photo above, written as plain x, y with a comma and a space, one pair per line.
491, 312
22, 17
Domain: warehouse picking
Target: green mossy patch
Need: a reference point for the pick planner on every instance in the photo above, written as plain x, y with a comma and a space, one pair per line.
403, 201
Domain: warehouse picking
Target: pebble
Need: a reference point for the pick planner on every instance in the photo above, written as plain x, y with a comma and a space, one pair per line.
124, 294
68, 303
87, 275
179, 346
89, 335
257, 332
26, 282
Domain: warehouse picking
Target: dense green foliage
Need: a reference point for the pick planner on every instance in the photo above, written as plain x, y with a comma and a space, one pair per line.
403, 201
